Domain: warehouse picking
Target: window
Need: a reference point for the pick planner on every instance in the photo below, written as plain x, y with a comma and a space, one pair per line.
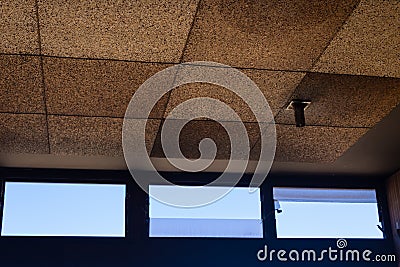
238, 214
61, 209
326, 213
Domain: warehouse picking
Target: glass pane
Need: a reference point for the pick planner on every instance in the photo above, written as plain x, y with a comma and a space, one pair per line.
238, 214
325, 213
61, 209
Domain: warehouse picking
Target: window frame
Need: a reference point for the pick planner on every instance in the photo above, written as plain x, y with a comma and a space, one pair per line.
199, 179
63, 176
329, 182
137, 201
324, 198
138, 247
217, 237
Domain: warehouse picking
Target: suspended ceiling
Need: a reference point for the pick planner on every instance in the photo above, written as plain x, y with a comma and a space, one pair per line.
68, 70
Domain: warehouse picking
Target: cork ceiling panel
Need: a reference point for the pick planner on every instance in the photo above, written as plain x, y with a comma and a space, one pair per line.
85, 136
21, 87
96, 87
18, 27
275, 86
345, 100
23, 133
312, 143
368, 44
133, 30
265, 34
197, 130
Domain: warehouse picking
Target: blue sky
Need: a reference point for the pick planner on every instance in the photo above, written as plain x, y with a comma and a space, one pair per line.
237, 204
56, 209
326, 219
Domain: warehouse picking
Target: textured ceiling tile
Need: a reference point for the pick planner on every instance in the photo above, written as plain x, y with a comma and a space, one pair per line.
265, 34
275, 86
96, 87
18, 27
369, 42
132, 128
134, 30
23, 133
345, 100
269, 134
314, 144
195, 131
21, 87
90, 136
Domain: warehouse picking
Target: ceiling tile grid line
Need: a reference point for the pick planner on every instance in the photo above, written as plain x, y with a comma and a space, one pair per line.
333, 36
171, 63
188, 63
89, 58
318, 57
190, 31
22, 113
272, 34
42, 75
368, 44
169, 93
45, 103
196, 120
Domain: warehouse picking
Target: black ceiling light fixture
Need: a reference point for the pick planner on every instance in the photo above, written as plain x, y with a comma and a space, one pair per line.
299, 106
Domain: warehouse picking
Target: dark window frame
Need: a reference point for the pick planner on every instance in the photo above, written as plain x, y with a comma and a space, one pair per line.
376, 183
58, 176
228, 238
198, 179
316, 215
137, 201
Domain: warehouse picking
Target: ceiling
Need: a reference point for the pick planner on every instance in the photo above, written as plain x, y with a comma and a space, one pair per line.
68, 70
